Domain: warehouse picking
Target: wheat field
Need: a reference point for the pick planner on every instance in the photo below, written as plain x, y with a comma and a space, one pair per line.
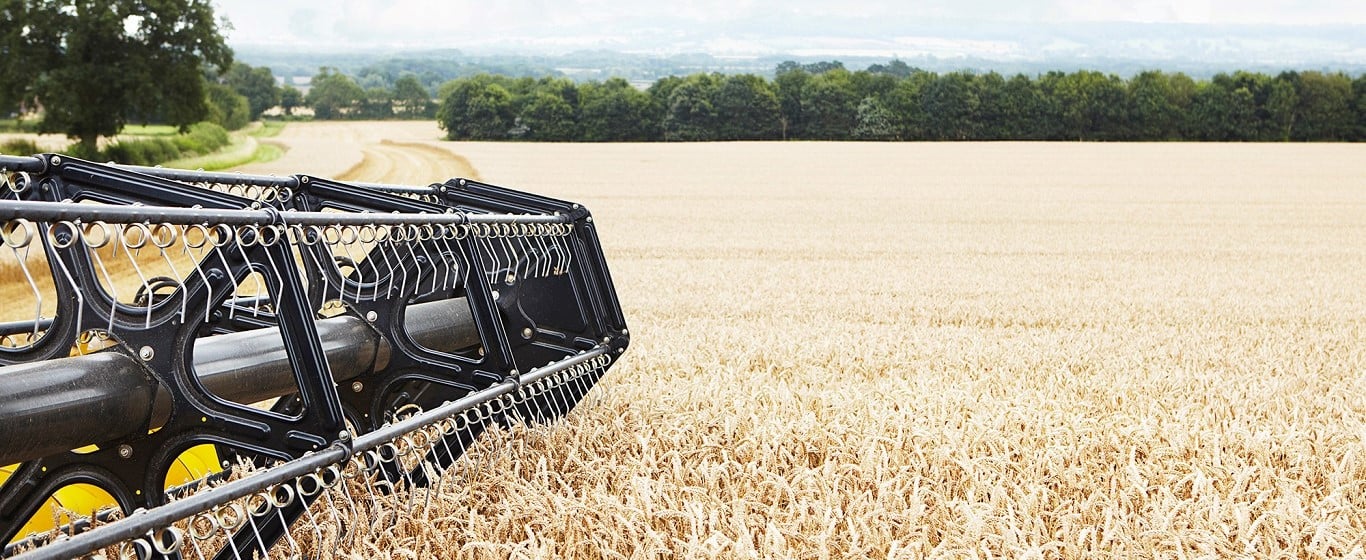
919, 350
950, 351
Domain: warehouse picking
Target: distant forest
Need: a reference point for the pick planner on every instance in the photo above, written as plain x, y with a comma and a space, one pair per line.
825, 101
892, 101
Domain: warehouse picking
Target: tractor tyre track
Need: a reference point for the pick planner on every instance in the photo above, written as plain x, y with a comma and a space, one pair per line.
408, 163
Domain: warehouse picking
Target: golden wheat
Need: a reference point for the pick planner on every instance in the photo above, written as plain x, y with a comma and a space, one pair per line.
940, 351
951, 350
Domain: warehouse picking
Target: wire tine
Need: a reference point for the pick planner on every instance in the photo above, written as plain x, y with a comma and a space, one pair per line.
402, 267
218, 249
198, 268
355, 513
274, 267
320, 248
528, 248
448, 262
260, 542
431, 266
542, 257
32, 284
289, 538
162, 251
75, 288
240, 243
393, 266
132, 254
93, 250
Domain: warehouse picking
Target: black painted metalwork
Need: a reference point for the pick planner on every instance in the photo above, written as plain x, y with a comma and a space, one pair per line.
308, 329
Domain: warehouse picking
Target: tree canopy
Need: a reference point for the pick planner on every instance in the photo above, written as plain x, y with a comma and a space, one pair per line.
95, 65
894, 101
334, 95
255, 84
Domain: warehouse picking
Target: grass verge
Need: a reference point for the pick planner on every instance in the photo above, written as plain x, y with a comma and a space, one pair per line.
243, 149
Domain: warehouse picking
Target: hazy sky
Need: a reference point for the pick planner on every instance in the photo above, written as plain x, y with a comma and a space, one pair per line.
617, 23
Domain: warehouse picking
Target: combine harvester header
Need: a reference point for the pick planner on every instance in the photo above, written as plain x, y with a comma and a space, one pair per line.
214, 365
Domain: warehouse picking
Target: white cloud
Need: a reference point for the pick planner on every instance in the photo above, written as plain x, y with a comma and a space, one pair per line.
463, 23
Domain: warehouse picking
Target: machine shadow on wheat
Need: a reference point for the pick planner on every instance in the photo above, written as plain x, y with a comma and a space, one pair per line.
213, 365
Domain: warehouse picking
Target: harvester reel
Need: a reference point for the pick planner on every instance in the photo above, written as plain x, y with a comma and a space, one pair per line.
214, 365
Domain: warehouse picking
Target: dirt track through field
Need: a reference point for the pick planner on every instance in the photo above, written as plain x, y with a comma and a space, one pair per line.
399, 152
408, 163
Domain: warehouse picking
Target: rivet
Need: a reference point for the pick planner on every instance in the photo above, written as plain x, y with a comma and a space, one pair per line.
526, 333
371, 316
511, 279
495, 295
357, 387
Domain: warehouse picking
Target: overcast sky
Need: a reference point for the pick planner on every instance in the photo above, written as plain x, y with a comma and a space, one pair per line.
567, 24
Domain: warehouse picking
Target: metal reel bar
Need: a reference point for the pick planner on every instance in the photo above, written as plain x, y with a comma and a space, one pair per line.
39, 211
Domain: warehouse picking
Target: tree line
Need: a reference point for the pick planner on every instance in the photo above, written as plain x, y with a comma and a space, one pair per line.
825, 101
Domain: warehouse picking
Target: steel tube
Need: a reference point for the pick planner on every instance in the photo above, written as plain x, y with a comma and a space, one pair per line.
21, 327
56, 405
39, 211
31, 164
188, 176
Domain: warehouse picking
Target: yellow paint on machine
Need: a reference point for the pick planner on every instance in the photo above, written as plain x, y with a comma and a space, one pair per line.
83, 500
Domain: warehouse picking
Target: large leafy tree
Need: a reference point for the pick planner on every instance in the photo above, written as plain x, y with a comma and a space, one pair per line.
1221, 113
256, 84
227, 108
691, 116
1022, 108
548, 116
746, 109
290, 98
829, 106
94, 65
613, 111
1153, 112
334, 95
411, 97
788, 83
1093, 106
478, 108
949, 104
1325, 107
